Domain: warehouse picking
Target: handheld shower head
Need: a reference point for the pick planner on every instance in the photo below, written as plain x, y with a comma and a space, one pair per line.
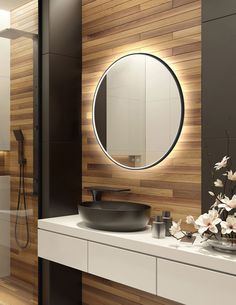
18, 135
20, 139
21, 191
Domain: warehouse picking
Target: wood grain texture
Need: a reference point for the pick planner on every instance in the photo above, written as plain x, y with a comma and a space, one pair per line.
98, 291
16, 292
23, 262
171, 30
3, 168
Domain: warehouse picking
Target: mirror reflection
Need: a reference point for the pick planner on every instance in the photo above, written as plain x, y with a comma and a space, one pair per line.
138, 111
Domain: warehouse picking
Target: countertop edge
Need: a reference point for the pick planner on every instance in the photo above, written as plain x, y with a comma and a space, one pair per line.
214, 261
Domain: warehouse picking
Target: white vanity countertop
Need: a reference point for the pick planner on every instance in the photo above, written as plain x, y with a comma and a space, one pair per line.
168, 248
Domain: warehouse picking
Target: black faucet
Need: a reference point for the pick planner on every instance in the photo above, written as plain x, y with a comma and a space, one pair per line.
97, 191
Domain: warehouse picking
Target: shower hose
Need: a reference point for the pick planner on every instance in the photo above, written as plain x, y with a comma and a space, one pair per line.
21, 202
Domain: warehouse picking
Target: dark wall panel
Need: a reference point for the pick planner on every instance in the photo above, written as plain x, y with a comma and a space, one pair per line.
62, 27
212, 9
62, 285
65, 95
218, 91
219, 77
60, 23
61, 107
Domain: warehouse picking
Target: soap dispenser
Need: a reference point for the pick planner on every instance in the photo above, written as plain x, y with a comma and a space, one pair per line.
158, 228
168, 221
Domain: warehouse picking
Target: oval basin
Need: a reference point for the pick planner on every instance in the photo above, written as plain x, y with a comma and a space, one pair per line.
115, 216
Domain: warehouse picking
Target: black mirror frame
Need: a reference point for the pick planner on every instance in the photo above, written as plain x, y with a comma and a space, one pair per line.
180, 123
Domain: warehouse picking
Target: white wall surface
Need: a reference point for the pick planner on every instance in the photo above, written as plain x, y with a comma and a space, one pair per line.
4, 83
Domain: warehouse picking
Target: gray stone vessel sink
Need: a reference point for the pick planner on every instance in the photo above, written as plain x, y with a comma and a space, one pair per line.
116, 216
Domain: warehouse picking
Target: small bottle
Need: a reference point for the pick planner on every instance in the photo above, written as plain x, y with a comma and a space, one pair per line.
158, 228
168, 221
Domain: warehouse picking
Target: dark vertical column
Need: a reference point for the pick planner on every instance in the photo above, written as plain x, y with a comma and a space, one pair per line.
61, 106
61, 43
218, 87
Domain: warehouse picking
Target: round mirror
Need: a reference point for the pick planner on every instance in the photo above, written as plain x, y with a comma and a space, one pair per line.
138, 111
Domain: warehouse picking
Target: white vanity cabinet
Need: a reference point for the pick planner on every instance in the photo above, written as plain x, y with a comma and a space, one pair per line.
187, 274
191, 285
126, 267
62, 249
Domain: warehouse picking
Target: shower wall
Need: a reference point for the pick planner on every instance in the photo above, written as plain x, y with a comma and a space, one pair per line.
4, 145
23, 262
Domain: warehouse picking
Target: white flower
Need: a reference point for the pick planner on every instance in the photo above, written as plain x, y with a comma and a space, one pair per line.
211, 193
222, 163
208, 221
231, 176
228, 204
218, 183
190, 220
229, 225
175, 228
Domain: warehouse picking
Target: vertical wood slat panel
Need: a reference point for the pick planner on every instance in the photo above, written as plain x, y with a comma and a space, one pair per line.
170, 29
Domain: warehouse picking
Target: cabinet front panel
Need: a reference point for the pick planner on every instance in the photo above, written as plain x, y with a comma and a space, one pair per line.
192, 285
62, 249
122, 266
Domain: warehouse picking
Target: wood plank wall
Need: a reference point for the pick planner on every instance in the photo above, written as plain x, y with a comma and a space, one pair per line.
171, 30
3, 170
23, 262
98, 291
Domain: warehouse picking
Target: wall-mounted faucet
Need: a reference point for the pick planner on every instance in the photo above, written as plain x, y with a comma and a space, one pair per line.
97, 191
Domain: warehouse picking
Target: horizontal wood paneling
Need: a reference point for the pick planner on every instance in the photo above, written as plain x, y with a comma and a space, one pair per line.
98, 291
170, 29
16, 292
3, 168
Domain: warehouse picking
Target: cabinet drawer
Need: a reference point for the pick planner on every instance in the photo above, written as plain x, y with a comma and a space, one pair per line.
62, 249
192, 285
123, 266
